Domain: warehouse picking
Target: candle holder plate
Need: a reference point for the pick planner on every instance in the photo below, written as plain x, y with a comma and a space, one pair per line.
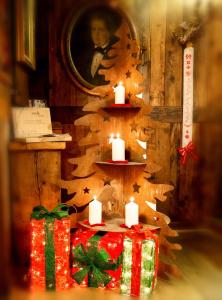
114, 225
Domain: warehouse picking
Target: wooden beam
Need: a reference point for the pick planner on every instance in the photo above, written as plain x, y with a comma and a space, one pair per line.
173, 114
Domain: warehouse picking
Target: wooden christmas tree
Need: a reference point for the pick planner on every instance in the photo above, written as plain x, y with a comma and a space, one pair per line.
115, 184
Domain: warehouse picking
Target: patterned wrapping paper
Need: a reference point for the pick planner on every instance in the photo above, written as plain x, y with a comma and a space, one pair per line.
50, 251
93, 243
140, 263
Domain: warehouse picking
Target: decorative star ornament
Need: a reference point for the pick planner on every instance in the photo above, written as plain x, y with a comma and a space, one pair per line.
107, 181
86, 190
128, 74
133, 126
136, 188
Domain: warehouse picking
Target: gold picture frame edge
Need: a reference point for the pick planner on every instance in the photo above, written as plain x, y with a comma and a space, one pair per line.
21, 56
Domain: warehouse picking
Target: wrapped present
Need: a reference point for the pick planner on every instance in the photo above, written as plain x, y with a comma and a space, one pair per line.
50, 248
140, 263
97, 257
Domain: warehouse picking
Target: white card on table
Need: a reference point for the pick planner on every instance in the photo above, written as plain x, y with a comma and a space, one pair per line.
31, 121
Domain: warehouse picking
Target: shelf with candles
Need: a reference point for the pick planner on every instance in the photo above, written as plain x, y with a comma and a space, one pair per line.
95, 221
120, 102
118, 154
126, 106
129, 163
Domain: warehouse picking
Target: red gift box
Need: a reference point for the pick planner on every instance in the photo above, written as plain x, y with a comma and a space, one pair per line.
110, 242
50, 251
140, 262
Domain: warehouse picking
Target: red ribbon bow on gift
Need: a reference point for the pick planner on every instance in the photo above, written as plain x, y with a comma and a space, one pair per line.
188, 150
136, 232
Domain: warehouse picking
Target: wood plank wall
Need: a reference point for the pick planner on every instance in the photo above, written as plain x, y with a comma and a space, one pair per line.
5, 95
197, 183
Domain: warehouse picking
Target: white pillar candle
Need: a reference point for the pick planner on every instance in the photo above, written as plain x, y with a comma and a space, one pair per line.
118, 149
188, 59
119, 94
131, 213
95, 212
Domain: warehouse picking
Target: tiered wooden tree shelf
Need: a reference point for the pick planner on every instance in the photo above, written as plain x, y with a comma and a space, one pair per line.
93, 174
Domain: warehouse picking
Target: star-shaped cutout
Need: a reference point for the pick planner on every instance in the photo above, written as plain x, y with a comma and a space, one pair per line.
86, 190
133, 126
106, 118
136, 188
128, 46
107, 181
128, 74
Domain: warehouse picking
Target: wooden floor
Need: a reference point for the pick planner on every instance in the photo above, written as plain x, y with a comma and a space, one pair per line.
200, 262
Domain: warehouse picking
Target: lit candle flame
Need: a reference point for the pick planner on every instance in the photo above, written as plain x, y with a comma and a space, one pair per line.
132, 199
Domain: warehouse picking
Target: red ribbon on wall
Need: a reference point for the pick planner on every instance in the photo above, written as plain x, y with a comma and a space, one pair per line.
188, 151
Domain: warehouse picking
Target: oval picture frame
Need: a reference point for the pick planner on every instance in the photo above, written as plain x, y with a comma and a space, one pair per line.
77, 42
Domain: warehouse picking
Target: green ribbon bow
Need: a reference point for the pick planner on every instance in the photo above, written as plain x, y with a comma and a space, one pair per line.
93, 262
59, 212
39, 213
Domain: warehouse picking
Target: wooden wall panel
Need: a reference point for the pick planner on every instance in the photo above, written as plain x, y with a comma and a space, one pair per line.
210, 141
5, 95
62, 90
173, 52
157, 50
21, 86
5, 218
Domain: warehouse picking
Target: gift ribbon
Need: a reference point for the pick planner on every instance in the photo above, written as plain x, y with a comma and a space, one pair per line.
59, 212
93, 262
188, 150
86, 222
139, 261
39, 213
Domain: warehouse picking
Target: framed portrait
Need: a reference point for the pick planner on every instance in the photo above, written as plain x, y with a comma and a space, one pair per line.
88, 35
25, 32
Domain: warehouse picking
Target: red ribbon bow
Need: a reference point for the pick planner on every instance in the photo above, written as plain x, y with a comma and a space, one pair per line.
86, 222
135, 232
188, 150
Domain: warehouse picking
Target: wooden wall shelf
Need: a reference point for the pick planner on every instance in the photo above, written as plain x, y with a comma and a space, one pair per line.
130, 163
